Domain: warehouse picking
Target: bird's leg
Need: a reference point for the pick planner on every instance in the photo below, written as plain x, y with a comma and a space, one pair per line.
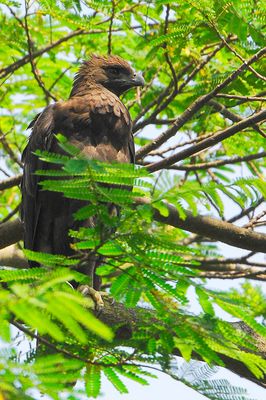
96, 296
91, 290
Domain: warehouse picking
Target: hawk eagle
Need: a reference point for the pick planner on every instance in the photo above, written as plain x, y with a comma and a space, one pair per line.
96, 121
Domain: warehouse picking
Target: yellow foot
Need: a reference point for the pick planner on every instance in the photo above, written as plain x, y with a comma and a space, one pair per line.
94, 294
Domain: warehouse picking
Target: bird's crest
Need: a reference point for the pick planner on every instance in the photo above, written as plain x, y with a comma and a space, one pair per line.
92, 70
97, 61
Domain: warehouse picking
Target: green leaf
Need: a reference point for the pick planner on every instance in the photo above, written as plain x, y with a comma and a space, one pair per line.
93, 380
112, 376
161, 207
87, 319
204, 301
125, 371
121, 283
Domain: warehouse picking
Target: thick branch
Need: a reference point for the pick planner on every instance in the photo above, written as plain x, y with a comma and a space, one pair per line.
212, 228
129, 321
11, 232
224, 269
12, 256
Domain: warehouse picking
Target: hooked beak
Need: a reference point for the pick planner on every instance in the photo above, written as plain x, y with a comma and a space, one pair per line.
138, 80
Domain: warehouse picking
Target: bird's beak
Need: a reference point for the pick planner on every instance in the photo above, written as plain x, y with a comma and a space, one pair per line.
138, 80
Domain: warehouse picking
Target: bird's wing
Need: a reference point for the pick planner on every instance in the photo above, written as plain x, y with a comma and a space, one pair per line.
41, 138
100, 126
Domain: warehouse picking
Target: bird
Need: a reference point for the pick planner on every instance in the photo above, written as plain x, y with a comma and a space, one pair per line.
93, 119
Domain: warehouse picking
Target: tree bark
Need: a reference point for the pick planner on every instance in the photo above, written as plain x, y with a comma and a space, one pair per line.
10, 232
129, 320
212, 228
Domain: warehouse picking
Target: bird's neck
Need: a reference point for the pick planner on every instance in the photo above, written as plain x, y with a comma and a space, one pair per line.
82, 88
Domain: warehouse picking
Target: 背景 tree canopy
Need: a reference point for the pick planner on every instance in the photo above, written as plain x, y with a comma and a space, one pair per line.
198, 181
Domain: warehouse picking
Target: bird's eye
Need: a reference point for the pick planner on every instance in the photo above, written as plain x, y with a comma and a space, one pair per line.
114, 71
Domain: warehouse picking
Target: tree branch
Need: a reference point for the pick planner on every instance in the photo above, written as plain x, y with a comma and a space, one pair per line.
24, 60
34, 70
196, 106
129, 321
11, 232
204, 144
109, 45
12, 256
218, 163
247, 98
212, 228
10, 182
177, 90
233, 117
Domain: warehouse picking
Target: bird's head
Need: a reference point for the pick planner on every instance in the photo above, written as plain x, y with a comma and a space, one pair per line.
112, 72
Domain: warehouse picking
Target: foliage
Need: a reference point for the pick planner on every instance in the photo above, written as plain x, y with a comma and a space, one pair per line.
186, 50
141, 266
198, 377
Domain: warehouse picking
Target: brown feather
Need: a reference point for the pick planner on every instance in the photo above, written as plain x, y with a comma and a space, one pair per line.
97, 122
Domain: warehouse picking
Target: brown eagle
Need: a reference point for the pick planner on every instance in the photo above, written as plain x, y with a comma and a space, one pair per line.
95, 120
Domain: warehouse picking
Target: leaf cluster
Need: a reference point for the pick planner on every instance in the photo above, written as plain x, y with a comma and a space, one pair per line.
141, 267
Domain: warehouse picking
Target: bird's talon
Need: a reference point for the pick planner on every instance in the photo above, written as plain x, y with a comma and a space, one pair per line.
94, 294
107, 296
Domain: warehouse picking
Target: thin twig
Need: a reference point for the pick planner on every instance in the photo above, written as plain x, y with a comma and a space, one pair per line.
10, 182
15, 16
246, 211
257, 74
9, 150
11, 214
161, 106
246, 98
253, 222
218, 163
254, 168
47, 343
166, 54
204, 144
34, 70
60, 76
196, 106
109, 46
